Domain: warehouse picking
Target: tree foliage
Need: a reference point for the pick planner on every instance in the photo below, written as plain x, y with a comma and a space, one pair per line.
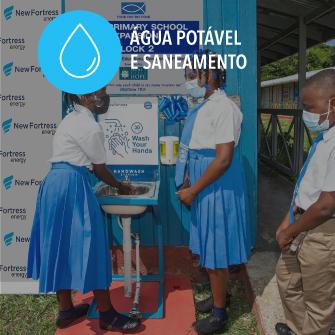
318, 57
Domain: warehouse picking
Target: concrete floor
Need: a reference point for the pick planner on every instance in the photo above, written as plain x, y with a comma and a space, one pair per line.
274, 200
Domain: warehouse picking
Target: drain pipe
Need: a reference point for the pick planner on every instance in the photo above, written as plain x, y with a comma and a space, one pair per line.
126, 225
135, 312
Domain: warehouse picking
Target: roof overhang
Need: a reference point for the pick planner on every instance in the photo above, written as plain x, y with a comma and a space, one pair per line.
278, 26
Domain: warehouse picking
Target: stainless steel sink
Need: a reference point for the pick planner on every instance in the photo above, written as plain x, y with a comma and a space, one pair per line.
109, 191
112, 202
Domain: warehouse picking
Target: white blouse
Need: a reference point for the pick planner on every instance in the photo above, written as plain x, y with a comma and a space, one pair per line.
218, 121
79, 139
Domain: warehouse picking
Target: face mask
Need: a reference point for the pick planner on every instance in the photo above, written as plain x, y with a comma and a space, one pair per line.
312, 120
194, 90
101, 104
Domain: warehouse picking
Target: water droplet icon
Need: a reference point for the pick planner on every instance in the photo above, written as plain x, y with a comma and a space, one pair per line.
80, 56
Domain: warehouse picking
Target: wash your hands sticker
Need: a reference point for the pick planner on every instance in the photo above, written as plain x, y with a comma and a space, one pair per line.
131, 131
79, 52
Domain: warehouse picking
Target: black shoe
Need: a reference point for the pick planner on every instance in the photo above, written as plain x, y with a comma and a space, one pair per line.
205, 306
119, 322
66, 318
283, 329
209, 326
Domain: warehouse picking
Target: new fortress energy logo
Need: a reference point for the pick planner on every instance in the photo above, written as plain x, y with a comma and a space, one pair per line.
9, 182
46, 14
10, 238
13, 43
9, 68
44, 128
8, 12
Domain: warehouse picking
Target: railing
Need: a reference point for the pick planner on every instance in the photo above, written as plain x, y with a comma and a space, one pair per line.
284, 140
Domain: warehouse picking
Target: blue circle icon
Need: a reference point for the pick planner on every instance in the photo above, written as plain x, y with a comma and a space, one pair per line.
79, 52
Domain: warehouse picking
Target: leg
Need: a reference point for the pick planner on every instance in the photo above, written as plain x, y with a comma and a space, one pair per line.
216, 322
110, 319
64, 299
103, 300
68, 314
291, 291
218, 279
317, 259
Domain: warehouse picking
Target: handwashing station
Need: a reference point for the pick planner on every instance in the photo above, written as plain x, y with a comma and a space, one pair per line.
132, 144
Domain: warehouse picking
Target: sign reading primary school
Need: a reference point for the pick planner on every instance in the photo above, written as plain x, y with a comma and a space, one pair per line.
158, 15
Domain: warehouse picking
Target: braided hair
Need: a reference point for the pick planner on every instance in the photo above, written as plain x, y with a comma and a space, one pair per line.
219, 74
70, 100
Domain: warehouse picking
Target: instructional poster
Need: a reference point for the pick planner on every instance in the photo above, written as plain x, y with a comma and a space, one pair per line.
155, 16
131, 131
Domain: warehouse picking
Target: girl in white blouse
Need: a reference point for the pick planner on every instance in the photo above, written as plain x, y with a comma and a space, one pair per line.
68, 248
211, 180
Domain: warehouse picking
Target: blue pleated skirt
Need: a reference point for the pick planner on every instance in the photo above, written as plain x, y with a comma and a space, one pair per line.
220, 231
68, 247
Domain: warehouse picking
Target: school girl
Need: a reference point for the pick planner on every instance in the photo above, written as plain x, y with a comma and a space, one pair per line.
211, 180
68, 248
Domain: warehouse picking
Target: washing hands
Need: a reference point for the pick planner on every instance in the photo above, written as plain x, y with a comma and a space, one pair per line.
125, 188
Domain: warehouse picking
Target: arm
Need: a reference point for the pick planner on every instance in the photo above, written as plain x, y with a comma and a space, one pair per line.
317, 214
101, 171
284, 224
224, 155
322, 210
93, 146
286, 221
186, 183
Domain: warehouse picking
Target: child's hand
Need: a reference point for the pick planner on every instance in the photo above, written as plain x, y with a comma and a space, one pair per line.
284, 239
285, 224
186, 183
186, 196
125, 189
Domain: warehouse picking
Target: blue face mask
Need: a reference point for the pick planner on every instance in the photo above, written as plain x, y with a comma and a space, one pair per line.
312, 120
194, 90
